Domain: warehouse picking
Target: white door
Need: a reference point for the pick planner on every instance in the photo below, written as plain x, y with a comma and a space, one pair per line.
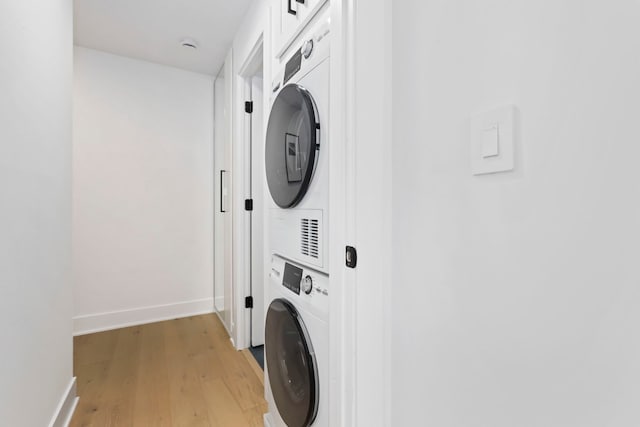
223, 293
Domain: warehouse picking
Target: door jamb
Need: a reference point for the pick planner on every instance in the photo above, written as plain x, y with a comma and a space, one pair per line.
361, 95
242, 278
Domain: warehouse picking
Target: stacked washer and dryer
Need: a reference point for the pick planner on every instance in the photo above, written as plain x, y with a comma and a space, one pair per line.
297, 169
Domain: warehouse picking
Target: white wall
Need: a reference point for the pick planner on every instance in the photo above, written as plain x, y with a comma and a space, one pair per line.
515, 296
35, 210
143, 191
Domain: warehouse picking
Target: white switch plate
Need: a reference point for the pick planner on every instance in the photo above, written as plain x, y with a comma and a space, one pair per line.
492, 140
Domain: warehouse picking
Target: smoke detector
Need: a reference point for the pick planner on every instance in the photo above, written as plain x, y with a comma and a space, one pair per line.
189, 43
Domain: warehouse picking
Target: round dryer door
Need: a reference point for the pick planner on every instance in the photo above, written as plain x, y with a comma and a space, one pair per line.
290, 150
291, 364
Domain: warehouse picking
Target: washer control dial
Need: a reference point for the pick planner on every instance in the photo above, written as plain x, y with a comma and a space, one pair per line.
307, 284
307, 48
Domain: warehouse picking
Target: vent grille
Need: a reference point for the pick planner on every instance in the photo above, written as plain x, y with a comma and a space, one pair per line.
310, 237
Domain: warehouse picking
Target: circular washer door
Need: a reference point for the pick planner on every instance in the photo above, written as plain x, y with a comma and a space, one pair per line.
290, 150
291, 364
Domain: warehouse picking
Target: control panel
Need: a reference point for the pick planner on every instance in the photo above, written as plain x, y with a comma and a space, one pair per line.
290, 18
308, 53
300, 284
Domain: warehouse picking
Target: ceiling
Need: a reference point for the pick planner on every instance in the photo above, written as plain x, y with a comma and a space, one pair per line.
153, 29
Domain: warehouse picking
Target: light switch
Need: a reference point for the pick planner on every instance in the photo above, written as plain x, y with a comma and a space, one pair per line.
492, 140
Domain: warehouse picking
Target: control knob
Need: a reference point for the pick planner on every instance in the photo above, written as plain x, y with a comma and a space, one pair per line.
307, 48
307, 284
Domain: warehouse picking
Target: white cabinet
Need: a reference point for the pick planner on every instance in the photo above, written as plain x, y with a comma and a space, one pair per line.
289, 19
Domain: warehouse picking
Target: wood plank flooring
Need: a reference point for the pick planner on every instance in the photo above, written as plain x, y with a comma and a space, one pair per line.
182, 372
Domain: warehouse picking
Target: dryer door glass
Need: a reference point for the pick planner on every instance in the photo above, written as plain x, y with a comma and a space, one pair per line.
290, 150
291, 365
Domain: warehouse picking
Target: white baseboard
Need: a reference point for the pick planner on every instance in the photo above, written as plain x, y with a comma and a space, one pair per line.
121, 319
66, 407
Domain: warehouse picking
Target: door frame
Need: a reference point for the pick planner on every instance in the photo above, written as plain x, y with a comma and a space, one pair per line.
242, 231
361, 201
360, 184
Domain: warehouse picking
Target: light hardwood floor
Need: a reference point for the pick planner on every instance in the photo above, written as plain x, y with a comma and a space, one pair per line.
182, 372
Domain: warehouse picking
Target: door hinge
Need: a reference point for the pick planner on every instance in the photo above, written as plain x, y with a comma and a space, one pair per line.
248, 205
248, 107
248, 302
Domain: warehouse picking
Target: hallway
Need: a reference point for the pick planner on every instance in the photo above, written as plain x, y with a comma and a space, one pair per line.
173, 373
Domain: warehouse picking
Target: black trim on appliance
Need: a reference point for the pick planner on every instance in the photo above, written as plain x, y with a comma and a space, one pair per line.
292, 365
248, 107
291, 11
248, 302
248, 204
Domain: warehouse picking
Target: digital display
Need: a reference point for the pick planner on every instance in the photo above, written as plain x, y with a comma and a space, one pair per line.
293, 66
292, 278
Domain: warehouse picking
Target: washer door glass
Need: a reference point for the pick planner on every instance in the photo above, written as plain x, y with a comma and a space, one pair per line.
290, 150
291, 365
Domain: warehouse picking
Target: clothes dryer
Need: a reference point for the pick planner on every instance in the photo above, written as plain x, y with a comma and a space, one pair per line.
296, 152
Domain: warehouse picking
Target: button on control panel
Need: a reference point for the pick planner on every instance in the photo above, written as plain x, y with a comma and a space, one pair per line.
307, 48
307, 284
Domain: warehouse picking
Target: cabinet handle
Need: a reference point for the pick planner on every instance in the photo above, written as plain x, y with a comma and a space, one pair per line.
222, 187
300, 1
291, 11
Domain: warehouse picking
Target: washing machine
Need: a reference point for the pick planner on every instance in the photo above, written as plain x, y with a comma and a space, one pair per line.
297, 346
297, 151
